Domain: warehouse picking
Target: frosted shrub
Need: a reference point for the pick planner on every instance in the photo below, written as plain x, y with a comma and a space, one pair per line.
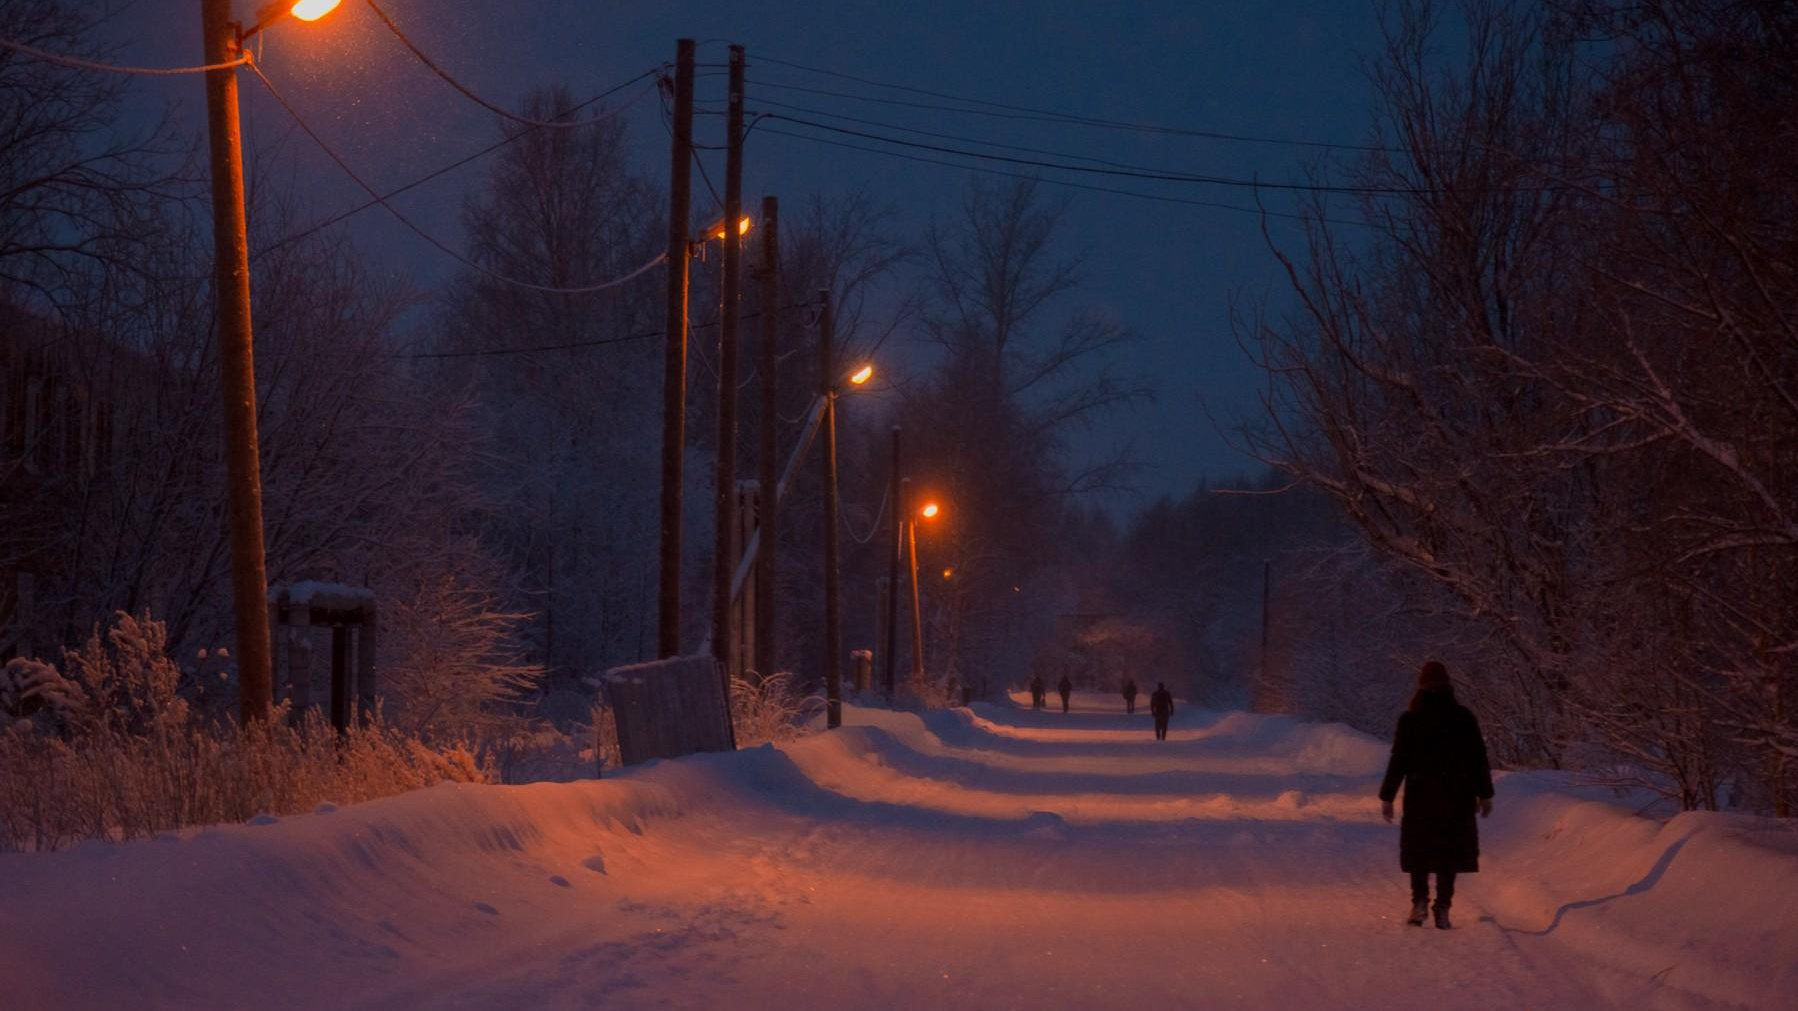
770, 710
29, 688
452, 662
120, 755
930, 693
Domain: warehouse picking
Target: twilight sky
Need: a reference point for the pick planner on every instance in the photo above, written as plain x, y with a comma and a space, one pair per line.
1281, 68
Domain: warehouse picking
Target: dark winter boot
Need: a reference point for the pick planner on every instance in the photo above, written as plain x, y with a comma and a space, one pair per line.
1441, 917
1418, 910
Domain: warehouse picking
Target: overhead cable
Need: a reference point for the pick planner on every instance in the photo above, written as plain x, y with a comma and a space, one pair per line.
76, 62
469, 93
1001, 110
433, 240
960, 138
1152, 175
452, 166
599, 342
1051, 180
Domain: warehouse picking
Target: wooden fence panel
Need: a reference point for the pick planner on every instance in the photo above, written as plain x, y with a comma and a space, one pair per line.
668, 708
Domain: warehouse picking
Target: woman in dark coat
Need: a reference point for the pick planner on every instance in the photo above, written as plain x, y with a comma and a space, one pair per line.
1440, 757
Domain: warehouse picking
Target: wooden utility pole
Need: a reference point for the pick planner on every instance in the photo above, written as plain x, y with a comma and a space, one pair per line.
917, 620
237, 365
724, 555
897, 506
766, 575
674, 362
833, 612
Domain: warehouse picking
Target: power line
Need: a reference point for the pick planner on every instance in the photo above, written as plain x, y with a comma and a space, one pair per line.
498, 110
1090, 187
1001, 110
78, 63
946, 136
1152, 175
668, 127
495, 352
421, 233
452, 166
600, 342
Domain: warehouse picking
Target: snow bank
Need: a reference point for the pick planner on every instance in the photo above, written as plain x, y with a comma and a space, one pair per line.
1702, 902
983, 828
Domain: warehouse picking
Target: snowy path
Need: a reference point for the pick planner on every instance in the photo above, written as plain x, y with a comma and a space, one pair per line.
1005, 860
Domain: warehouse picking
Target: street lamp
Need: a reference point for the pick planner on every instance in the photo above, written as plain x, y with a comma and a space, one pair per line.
305, 10
716, 230
930, 510
223, 39
862, 375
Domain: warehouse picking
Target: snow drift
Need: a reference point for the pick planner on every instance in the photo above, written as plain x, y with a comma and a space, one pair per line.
878, 865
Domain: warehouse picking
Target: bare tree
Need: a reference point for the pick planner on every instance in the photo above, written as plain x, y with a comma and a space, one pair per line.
1559, 383
1017, 372
568, 434
73, 187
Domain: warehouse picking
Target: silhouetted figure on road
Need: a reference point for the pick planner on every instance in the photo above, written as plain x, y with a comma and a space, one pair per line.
1440, 757
1066, 688
1036, 692
1161, 706
1129, 695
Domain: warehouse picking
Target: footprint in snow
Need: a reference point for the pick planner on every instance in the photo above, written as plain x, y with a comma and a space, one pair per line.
560, 881
595, 863
485, 908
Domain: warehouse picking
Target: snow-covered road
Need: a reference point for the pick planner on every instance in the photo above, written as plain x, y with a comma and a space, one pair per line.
985, 859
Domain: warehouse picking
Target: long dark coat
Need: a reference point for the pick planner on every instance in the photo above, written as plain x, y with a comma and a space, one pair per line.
1162, 703
1440, 758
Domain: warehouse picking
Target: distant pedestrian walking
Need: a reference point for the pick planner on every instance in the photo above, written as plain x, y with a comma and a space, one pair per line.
1161, 706
1036, 692
1440, 758
1066, 688
1129, 695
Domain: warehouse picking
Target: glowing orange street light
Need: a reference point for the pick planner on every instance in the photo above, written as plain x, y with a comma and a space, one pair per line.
717, 229
929, 511
949, 573
304, 10
312, 10
862, 375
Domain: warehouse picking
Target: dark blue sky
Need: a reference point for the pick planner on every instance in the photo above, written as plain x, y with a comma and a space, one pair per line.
1285, 69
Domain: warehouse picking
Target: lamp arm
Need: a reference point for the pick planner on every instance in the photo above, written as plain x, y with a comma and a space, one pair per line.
266, 16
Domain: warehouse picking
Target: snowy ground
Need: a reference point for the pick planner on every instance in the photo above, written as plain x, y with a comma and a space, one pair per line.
967, 860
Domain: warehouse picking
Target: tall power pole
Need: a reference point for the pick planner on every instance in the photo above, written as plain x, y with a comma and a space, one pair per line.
724, 555
833, 613
674, 362
917, 619
237, 366
766, 575
898, 510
